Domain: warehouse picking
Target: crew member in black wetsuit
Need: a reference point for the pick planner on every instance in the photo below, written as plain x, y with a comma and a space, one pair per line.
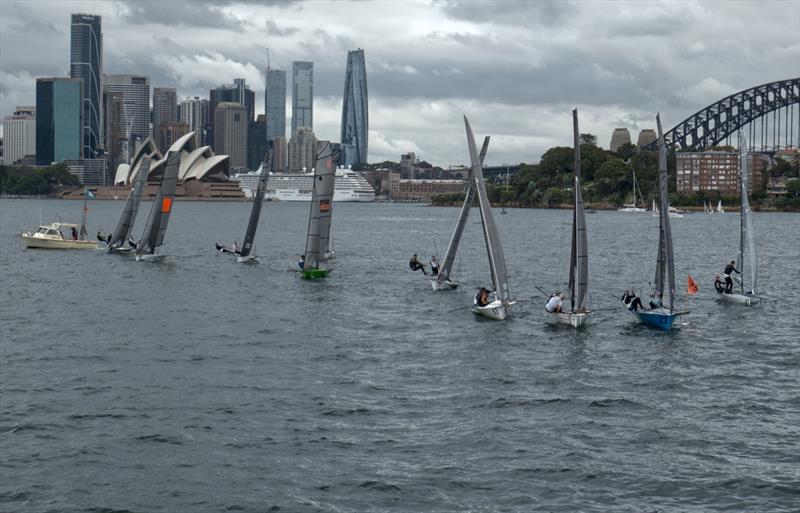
730, 268
718, 284
482, 297
415, 265
631, 300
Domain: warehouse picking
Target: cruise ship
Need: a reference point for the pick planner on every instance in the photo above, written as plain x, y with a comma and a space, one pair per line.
349, 186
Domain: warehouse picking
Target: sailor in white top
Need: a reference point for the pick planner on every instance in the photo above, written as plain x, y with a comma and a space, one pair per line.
554, 303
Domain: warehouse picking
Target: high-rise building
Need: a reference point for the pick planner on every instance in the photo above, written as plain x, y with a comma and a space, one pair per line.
618, 138
238, 92
279, 154
59, 119
230, 133
646, 136
301, 151
715, 171
355, 110
194, 112
19, 131
302, 96
275, 103
165, 111
168, 133
256, 142
126, 101
86, 63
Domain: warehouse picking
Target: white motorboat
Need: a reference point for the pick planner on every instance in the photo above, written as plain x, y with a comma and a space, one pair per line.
50, 236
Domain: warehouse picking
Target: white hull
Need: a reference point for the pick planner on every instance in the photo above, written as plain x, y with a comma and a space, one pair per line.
249, 259
575, 320
444, 285
339, 196
631, 209
740, 299
495, 310
40, 243
149, 257
328, 255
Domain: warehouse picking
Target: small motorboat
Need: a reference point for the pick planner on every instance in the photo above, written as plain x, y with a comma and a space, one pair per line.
50, 236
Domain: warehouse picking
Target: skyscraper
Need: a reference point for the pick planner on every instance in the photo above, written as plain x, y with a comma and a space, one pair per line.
194, 112
59, 119
165, 111
301, 151
86, 63
131, 119
19, 132
256, 142
275, 103
302, 95
355, 110
230, 132
238, 92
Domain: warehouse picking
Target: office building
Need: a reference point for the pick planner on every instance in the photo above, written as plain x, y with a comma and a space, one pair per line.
168, 133
301, 151
238, 92
19, 132
194, 113
302, 96
126, 107
646, 136
165, 111
59, 119
86, 64
715, 171
230, 133
355, 110
620, 137
256, 142
279, 154
275, 103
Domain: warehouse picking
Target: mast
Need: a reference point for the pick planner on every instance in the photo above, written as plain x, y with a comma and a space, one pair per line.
494, 248
666, 263
743, 195
319, 218
455, 240
746, 222
258, 200
579, 256
83, 231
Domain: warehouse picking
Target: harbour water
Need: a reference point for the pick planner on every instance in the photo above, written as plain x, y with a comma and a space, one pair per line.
196, 384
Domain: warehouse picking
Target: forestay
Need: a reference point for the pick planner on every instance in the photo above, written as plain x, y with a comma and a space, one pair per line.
153, 235
746, 237
319, 220
665, 264
125, 224
455, 240
579, 257
258, 200
494, 248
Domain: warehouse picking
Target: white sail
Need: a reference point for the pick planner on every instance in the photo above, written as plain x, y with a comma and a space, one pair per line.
747, 242
319, 220
494, 248
579, 258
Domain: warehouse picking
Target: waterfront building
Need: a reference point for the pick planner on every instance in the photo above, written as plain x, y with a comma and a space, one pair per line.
302, 148
59, 119
256, 142
194, 113
408, 162
165, 111
275, 103
355, 110
126, 104
89, 171
302, 96
19, 132
416, 190
646, 136
716, 171
230, 133
618, 138
86, 64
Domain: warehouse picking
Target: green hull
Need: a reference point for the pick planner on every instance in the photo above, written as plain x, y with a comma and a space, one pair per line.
313, 274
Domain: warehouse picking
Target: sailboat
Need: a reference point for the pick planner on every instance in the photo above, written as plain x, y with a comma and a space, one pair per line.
578, 313
663, 315
443, 280
156, 226
631, 207
746, 238
499, 307
319, 219
719, 207
244, 254
119, 241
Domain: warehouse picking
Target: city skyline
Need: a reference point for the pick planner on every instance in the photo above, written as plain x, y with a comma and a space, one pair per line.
516, 69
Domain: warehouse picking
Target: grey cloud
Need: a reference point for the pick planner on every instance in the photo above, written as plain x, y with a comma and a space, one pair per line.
524, 14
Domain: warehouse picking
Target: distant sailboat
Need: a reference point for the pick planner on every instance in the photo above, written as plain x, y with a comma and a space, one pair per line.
319, 219
244, 255
664, 314
120, 237
499, 307
719, 207
156, 227
578, 313
631, 207
747, 244
444, 281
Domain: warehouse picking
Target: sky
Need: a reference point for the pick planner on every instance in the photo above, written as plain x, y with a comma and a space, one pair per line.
515, 69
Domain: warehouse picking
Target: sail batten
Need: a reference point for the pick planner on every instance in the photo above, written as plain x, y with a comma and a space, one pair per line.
258, 200
319, 221
124, 226
455, 239
494, 248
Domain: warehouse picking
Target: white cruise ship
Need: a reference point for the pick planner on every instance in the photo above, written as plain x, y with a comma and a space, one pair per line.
348, 186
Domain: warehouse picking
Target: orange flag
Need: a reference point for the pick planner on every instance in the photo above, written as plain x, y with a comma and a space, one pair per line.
691, 286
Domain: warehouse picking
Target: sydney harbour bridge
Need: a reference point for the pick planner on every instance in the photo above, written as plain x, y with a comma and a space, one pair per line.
768, 115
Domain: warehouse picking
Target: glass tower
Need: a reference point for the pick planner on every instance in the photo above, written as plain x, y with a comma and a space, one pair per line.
355, 112
275, 101
58, 119
86, 63
302, 95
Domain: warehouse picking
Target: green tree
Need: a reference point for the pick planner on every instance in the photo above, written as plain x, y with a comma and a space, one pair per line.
627, 150
793, 187
588, 139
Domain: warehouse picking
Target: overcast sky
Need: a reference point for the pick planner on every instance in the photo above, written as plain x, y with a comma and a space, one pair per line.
516, 69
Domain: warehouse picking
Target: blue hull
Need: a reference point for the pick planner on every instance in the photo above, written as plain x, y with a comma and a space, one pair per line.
662, 321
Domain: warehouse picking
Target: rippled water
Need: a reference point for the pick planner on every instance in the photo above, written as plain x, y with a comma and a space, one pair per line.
196, 384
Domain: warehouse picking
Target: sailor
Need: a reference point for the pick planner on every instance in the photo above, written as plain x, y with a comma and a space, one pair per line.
655, 300
718, 284
100, 236
414, 264
482, 297
235, 248
434, 265
631, 300
554, 303
302, 262
74, 233
730, 268
131, 242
